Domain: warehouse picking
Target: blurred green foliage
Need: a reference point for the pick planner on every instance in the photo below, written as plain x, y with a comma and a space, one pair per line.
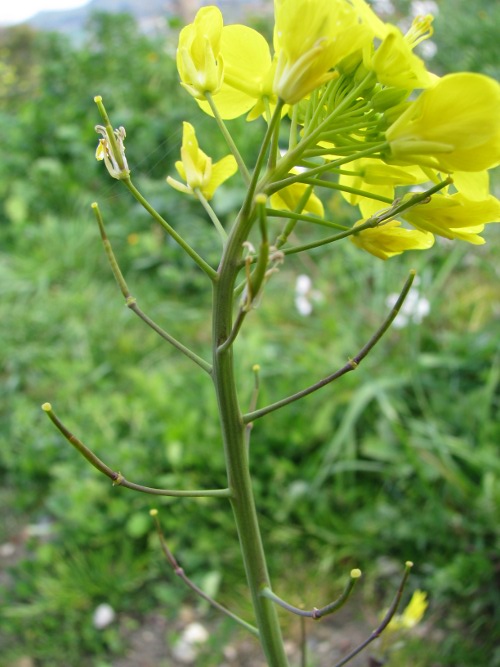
399, 460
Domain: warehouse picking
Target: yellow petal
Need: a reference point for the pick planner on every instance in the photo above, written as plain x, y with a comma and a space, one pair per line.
456, 124
474, 185
198, 62
391, 239
248, 72
310, 38
396, 65
289, 198
221, 171
454, 216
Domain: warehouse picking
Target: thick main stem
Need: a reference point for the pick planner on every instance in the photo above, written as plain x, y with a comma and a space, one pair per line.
235, 449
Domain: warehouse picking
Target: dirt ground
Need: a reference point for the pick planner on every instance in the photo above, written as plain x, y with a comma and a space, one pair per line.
328, 641
195, 640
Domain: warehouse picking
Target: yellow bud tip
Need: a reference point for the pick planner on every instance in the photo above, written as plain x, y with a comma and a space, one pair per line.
261, 198
94, 204
46, 407
256, 368
413, 272
409, 564
153, 512
97, 99
356, 573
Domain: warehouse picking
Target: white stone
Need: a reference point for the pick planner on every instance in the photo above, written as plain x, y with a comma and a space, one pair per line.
103, 616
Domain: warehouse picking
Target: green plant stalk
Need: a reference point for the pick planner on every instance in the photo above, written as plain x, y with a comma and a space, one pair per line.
235, 448
229, 139
169, 229
116, 477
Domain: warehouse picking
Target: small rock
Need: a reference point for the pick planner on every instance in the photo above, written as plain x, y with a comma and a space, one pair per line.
195, 633
103, 616
7, 550
186, 649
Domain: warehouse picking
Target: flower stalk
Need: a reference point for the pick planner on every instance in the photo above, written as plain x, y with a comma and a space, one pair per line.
362, 117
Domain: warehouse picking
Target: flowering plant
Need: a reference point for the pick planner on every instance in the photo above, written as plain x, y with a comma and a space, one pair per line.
346, 105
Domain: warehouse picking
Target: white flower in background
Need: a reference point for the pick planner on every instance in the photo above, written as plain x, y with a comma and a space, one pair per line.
423, 7
187, 648
383, 7
414, 308
103, 616
305, 295
428, 49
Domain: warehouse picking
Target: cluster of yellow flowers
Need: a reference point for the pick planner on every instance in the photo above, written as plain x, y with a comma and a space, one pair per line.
363, 107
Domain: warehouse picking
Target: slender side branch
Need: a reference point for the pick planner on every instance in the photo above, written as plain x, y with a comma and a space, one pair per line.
385, 621
316, 613
303, 217
204, 266
240, 317
255, 279
351, 365
398, 208
229, 139
212, 215
112, 150
131, 302
328, 166
116, 477
180, 573
253, 400
345, 188
292, 221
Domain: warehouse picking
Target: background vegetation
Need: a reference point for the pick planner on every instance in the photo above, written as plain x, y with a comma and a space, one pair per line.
398, 461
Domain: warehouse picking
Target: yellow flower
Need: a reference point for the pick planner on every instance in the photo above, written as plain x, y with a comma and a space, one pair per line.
455, 125
377, 27
198, 60
310, 38
413, 613
196, 168
473, 184
396, 65
289, 198
391, 239
248, 74
378, 178
113, 155
455, 216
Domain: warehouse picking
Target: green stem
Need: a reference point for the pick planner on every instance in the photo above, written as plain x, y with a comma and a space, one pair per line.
351, 365
132, 303
385, 621
292, 221
303, 217
263, 150
313, 137
204, 266
316, 613
274, 150
117, 478
294, 129
274, 186
178, 570
211, 214
235, 448
229, 139
398, 208
345, 188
